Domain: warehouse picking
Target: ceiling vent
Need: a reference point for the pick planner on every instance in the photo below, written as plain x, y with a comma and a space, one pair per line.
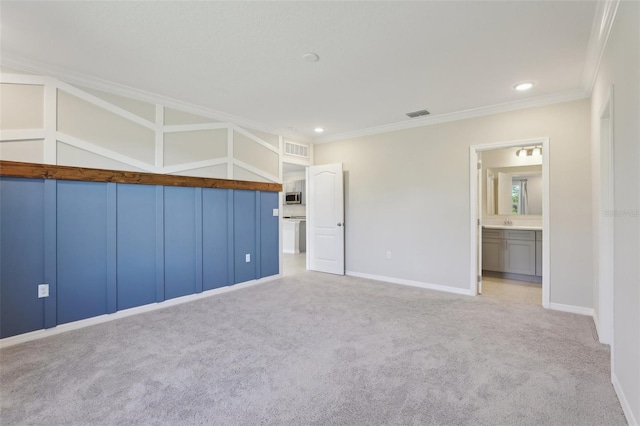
291, 148
420, 113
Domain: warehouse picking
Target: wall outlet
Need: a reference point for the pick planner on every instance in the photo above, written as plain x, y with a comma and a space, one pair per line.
388, 255
276, 212
247, 258
43, 290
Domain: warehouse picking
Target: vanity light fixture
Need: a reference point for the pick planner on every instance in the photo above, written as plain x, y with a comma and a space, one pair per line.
529, 151
522, 87
318, 130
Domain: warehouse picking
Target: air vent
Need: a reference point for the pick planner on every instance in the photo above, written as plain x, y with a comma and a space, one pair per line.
295, 149
418, 113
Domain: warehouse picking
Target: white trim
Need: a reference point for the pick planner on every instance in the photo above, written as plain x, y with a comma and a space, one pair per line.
32, 80
22, 135
571, 308
474, 214
255, 138
195, 165
568, 96
29, 65
596, 322
159, 139
410, 283
601, 27
624, 402
255, 170
194, 127
230, 153
95, 149
39, 334
79, 93
50, 121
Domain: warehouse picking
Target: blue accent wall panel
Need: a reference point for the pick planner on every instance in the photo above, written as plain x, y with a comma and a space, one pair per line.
136, 245
179, 241
21, 255
244, 234
215, 233
82, 250
50, 252
269, 235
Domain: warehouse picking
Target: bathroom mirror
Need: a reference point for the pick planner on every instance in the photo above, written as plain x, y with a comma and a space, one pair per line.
513, 191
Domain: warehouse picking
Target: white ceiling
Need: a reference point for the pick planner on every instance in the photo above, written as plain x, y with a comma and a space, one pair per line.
378, 60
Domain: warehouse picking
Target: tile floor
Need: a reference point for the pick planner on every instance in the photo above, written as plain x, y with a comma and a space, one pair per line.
293, 264
519, 291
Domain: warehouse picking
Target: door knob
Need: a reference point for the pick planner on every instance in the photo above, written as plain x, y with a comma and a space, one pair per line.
339, 224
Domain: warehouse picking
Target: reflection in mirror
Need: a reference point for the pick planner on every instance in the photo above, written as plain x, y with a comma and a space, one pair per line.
514, 190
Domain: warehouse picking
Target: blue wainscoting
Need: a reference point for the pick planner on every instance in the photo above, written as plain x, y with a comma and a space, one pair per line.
21, 255
136, 245
82, 250
104, 247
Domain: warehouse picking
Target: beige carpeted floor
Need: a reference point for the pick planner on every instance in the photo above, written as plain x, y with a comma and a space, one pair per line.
318, 349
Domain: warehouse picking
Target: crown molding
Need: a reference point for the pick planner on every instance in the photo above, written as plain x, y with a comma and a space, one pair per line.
87, 81
567, 96
603, 20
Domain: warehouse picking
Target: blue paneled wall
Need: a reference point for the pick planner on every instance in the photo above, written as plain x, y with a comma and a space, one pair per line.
104, 247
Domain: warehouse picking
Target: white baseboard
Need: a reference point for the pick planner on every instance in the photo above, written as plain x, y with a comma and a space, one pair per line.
63, 328
571, 308
596, 321
626, 408
419, 284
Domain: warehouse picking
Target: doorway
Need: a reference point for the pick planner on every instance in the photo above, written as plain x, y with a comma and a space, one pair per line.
294, 219
509, 223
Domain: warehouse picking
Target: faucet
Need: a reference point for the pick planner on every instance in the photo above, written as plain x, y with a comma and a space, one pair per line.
507, 221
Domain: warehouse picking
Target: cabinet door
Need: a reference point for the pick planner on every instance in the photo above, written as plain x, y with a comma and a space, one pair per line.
492, 255
539, 258
520, 257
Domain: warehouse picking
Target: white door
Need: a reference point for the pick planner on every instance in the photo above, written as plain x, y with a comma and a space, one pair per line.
325, 219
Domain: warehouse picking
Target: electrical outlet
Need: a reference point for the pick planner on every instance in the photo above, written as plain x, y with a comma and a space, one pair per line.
276, 212
388, 255
247, 258
43, 290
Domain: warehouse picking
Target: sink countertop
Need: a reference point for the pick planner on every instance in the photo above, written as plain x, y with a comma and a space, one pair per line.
517, 227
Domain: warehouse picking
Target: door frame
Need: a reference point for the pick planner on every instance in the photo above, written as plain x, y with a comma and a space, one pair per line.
475, 214
604, 253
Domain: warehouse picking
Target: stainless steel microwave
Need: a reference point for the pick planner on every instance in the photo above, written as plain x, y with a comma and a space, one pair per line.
293, 198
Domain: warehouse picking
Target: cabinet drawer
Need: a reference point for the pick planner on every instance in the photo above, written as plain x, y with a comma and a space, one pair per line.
520, 235
491, 233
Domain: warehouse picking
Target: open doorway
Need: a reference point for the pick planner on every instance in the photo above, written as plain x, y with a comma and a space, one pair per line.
509, 221
294, 219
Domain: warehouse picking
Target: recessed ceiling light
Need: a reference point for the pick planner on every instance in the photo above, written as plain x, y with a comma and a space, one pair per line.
311, 57
521, 87
318, 130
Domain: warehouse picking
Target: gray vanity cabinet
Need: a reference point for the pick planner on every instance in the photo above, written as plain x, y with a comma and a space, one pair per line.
492, 250
538, 253
520, 257
509, 251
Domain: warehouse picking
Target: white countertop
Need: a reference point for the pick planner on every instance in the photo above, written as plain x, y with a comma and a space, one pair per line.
517, 227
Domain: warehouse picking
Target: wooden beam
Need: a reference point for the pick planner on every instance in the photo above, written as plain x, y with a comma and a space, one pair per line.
48, 171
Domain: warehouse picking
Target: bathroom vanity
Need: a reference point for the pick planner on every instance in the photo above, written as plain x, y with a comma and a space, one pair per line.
513, 252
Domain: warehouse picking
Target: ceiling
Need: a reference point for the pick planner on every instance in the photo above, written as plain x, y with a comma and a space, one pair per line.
243, 60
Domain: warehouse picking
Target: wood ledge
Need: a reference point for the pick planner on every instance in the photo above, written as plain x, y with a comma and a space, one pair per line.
49, 171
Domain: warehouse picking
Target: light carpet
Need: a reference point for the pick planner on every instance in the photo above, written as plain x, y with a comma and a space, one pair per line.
316, 349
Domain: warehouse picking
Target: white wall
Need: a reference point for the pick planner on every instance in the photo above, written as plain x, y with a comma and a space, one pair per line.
620, 68
408, 192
